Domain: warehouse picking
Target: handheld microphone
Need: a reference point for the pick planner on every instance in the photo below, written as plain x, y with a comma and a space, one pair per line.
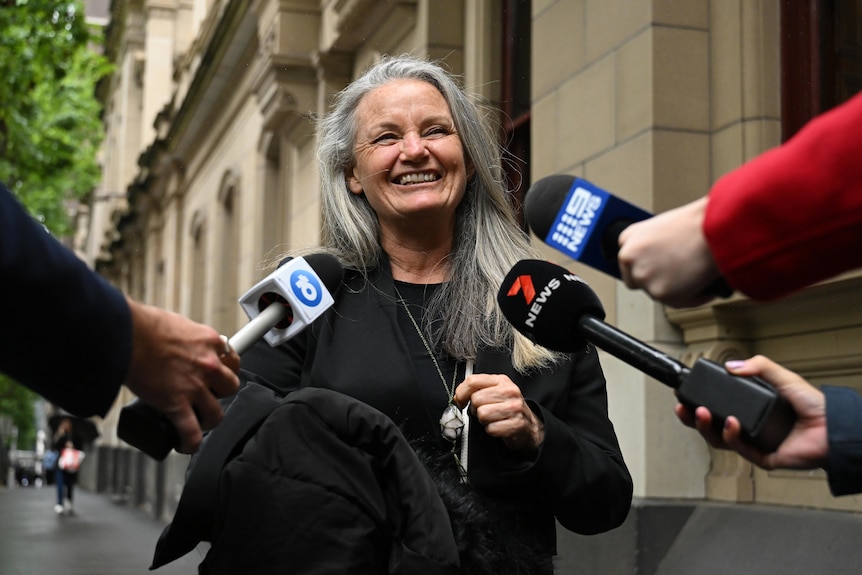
584, 222
279, 307
558, 310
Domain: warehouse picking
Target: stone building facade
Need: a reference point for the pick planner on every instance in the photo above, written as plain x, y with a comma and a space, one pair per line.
209, 172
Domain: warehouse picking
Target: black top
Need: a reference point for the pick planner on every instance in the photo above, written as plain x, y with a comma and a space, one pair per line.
435, 395
359, 348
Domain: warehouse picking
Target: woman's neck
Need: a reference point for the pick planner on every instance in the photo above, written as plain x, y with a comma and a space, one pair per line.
417, 264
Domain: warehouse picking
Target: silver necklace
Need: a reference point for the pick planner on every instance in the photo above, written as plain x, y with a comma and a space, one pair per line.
450, 389
452, 420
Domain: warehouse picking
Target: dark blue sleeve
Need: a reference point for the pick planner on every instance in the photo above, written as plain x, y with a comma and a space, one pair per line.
66, 332
844, 432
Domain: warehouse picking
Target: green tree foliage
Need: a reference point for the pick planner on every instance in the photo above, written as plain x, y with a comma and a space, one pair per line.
16, 402
50, 123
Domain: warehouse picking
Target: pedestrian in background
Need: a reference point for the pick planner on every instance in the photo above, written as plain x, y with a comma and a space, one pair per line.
68, 465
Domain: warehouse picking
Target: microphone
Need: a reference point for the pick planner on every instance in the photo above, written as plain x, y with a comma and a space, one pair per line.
584, 222
279, 307
558, 310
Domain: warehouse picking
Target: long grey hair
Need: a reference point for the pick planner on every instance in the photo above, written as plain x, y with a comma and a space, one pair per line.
487, 240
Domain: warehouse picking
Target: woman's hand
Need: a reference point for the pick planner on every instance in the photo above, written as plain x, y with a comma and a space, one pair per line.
501, 408
806, 446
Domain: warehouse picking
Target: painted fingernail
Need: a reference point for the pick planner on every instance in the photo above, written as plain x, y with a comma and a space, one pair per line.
734, 363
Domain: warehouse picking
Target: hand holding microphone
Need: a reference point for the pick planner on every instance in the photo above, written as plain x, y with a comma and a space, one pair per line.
181, 368
592, 226
807, 445
557, 310
668, 257
279, 307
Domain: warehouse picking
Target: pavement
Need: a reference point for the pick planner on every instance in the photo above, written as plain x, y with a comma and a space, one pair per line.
99, 538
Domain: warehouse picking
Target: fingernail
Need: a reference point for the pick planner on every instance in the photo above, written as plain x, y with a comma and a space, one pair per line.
734, 363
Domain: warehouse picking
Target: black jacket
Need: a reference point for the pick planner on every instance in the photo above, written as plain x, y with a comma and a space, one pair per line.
329, 485
357, 348
321, 483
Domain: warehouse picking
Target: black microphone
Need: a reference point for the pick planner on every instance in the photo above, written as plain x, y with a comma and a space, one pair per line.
279, 307
558, 310
584, 222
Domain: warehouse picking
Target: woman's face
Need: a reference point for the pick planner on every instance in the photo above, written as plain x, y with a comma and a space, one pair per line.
409, 159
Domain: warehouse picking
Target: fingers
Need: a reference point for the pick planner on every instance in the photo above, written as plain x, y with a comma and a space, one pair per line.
710, 429
732, 437
189, 430
223, 383
502, 410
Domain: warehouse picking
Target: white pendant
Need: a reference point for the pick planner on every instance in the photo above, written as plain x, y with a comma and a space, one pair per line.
451, 423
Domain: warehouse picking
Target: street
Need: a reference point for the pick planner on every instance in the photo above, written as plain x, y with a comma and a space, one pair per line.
100, 538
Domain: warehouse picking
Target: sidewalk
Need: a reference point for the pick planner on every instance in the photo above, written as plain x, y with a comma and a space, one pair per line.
101, 538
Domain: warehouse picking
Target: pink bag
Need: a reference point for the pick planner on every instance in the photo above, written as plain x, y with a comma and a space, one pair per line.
70, 459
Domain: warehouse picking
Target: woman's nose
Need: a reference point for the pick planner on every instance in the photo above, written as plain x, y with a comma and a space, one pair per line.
413, 146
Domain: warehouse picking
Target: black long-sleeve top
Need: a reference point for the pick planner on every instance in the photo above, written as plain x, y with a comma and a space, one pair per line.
358, 348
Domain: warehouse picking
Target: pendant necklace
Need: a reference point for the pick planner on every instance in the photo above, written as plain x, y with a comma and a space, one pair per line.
453, 420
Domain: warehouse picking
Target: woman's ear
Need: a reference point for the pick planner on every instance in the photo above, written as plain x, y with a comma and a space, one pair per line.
353, 183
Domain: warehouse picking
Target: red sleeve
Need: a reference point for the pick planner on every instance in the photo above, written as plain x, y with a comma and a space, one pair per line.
792, 216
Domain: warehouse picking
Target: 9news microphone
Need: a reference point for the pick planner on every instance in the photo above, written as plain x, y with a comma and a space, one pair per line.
584, 222
557, 310
279, 307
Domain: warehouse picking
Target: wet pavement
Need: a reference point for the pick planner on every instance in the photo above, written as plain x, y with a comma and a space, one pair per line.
99, 538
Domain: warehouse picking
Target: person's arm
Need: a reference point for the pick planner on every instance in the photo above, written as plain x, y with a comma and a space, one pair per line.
67, 333
776, 224
844, 430
580, 468
73, 338
578, 473
792, 216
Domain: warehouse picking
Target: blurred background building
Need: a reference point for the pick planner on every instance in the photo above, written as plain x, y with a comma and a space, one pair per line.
209, 171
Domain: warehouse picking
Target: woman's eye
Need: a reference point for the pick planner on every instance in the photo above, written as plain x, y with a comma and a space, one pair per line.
437, 131
385, 139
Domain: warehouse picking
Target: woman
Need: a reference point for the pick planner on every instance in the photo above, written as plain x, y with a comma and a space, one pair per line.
414, 207
66, 471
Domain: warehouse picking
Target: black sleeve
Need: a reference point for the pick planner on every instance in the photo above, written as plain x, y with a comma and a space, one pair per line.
67, 333
580, 463
278, 368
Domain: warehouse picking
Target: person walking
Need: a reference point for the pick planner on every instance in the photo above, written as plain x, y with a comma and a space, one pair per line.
68, 464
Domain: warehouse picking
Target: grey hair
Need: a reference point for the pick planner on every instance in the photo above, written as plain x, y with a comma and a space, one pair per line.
488, 240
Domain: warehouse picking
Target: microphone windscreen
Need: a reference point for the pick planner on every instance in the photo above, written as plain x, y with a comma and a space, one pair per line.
544, 301
580, 219
328, 269
544, 200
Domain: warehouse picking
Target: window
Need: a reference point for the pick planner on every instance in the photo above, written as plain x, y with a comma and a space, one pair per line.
515, 97
821, 58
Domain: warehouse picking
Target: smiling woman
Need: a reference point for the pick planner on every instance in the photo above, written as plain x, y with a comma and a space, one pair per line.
416, 210
410, 166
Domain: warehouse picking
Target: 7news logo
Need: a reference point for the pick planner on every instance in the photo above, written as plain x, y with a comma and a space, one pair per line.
535, 300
